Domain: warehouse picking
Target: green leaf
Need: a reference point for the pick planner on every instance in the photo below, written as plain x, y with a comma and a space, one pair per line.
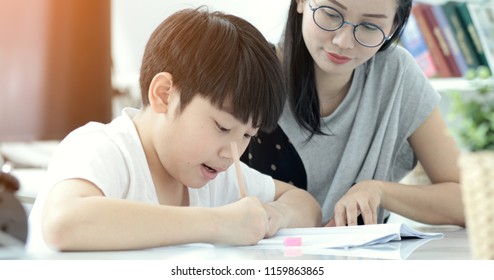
473, 111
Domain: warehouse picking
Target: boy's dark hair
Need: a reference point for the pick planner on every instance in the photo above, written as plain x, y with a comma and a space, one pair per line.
299, 66
221, 58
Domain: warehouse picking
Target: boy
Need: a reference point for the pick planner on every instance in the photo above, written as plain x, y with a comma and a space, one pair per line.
207, 79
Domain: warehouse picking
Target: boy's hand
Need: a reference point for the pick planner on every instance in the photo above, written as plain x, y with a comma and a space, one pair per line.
243, 222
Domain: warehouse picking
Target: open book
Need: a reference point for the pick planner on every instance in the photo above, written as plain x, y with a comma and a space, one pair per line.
345, 237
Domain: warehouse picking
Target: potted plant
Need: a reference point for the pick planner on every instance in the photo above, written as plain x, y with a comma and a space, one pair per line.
472, 111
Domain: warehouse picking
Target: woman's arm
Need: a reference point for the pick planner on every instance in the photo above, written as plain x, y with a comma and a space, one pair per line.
439, 202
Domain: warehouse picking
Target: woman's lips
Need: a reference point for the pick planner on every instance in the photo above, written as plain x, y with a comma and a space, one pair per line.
337, 59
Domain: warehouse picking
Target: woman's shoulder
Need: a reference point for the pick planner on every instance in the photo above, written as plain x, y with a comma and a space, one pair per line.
393, 62
394, 55
399, 71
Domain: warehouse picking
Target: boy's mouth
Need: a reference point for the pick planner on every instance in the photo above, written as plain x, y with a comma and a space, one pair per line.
208, 172
209, 169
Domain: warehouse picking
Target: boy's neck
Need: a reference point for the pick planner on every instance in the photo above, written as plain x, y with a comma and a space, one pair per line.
168, 190
172, 196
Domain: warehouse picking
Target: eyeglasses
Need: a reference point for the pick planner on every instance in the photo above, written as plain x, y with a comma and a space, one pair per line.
365, 33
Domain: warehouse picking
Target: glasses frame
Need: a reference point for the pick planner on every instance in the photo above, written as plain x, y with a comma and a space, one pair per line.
343, 22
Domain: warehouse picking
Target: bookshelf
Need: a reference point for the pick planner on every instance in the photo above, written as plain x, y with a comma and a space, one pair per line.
444, 83
438, 2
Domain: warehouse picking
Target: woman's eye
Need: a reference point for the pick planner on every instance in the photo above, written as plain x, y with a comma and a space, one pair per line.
332, 15
370, 27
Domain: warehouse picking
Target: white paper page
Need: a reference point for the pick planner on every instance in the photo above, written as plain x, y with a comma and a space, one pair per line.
393, 250
345, 237
400, 229
329, 241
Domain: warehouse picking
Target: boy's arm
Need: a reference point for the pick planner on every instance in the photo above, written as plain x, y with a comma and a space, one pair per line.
292, 207
77, 216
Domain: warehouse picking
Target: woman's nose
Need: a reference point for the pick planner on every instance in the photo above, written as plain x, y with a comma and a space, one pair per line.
344, 38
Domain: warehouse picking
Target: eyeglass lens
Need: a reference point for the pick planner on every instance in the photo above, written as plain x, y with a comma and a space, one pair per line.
367, 34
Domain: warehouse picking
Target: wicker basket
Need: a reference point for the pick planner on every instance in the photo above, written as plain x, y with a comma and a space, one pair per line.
477, 180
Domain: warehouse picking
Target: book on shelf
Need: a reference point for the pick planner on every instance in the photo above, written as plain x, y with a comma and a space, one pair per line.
418, 11
469, 27
482, 16
444, 46
444, 25
463, 39
413, 41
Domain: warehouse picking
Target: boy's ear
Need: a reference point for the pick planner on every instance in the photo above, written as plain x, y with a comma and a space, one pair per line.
160, 91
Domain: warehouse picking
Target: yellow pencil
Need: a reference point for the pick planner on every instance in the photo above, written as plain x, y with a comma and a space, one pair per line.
236, 159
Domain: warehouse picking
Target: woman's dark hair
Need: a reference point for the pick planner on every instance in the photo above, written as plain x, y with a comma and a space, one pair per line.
298, 66
221, 58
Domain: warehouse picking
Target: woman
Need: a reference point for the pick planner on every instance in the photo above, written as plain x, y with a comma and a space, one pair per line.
360, 115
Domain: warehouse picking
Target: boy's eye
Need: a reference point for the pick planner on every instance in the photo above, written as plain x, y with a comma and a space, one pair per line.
221, 128
226, 130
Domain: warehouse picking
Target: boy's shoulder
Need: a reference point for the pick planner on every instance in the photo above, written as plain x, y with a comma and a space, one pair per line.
120, 127
95, 137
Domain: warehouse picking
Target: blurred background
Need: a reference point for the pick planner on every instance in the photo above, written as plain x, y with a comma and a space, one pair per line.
66, 62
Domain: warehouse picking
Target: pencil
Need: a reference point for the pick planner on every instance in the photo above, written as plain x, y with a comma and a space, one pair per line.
236, 160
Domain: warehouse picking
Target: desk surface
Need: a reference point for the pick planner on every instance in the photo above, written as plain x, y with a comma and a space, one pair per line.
454, 246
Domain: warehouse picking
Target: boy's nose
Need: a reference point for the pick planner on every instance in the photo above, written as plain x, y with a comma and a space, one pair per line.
226, 151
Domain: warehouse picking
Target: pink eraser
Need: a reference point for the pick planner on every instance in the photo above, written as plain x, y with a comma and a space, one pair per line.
293, 241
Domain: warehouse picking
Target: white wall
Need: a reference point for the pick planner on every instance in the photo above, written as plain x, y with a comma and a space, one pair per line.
134, 21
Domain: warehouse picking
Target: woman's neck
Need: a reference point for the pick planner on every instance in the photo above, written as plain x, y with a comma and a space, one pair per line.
332, 90
330, 85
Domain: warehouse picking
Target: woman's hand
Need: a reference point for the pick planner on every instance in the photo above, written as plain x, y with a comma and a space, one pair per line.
363, 199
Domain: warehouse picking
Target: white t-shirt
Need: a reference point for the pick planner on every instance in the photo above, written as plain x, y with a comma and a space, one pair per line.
111, 157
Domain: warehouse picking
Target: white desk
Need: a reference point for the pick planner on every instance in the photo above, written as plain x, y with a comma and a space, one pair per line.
454, 246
